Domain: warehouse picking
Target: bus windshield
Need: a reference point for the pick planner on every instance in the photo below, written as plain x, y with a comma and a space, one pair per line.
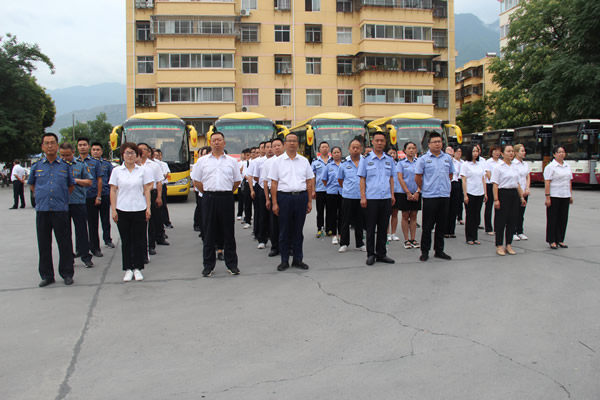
242, 134
338, 133
417, 133
170, 137
529, 140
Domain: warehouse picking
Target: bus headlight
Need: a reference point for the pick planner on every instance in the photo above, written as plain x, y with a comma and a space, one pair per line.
184, 181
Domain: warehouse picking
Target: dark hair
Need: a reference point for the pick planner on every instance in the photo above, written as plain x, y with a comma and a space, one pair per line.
323, 142
66, 146
246, 150
277, 140
217, 133
253, 148
262, 144
336, 147
46, 134
495, 147
558, 147
98, 144
83, 138
130, 145
355, 140
144, 144
433, 134
469, 153
506, 145
158, 151
458, 148
379, 133
407, 143
17, 161
292, 133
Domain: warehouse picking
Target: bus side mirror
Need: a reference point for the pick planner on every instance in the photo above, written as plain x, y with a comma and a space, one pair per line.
310, 135
114, 138
209, 134
458, 131
193, 136
393, 134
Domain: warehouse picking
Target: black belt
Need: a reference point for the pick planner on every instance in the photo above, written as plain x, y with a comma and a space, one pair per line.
507, 188
219, 193
293, 193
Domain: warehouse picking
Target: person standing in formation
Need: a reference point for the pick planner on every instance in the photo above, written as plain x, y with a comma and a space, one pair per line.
525, 183
456, 198
433, 174
104, 209
93, 194
397, 190
472, 173
410, 196
318, 167
352, 212
277, 147
255, 189
217, 176
198, 210
240, 195
51, 180
246, 198
158, 157
558, 179
333, 203
490, 164
376, 173
292, 184
249, 181
17, 178
261, 216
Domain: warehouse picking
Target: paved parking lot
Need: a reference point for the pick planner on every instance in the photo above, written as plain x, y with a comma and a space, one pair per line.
478, 327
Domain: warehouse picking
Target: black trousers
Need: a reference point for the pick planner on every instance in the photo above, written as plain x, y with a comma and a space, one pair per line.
256, 206
321, 201
557, 217
57, 221
218, 217
292, 215
92, 222
334, 213
105, 218
455, 204
274, 225
378, 217
489, 208
132, 229
352, 213
505, 218
18, 193
521, 217
262, 217
240, 201
473, 217
165, 208
156, 229
247, 203
198, 211
435, 214
78, 213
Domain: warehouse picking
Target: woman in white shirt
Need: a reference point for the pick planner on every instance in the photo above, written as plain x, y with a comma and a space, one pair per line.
507, 196
130, 186
525, 182
490, 164
559, 194
472, 173
456, 198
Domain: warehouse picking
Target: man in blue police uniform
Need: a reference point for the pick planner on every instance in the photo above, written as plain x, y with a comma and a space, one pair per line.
77, 207
51, 179
318, 167
352, 212
376, 171
106, 168
93, 194
433, 174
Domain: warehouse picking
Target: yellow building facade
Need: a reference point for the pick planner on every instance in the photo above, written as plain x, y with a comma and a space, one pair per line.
507, 8
473, 81
290, 60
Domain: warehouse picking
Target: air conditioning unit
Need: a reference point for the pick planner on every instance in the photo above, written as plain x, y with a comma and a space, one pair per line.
245, 108
244, 13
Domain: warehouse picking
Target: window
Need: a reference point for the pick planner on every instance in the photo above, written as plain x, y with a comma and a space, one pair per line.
249, 97
195, 95
313, 97
249, 5
179, 60
195, 60
143, 31
313, 66
216, 61
285, 122
145, 64
249, 33
369, 31
283, 97
282, 4
440, 38
250, 65
344, 35
206, 27
282, 33
312, 5
403, 96
503, 31
379, 63
440, 98
440, 69
345, 98
313, 33
343, 6
145, 98
283, 65
416, 64
344, 66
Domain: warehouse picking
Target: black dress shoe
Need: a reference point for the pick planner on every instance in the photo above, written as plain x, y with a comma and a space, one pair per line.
22, 207
110, 245
46, 282
88, 264
220, 257
299, 265
97, 253
12, 208
234, 270
163, 243
442, 255
207, 272
165, 236
76, 255
169, 226
68, 281
386, 260
424, 257
152, 251
196, 229
273, 253
370, 260
283, 266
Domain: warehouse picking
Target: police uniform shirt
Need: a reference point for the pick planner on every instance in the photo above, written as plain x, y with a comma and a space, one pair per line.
523, 169
505, 176
490, 165
330, 176
377, 172
130, 187
52, 181
397, 187
291, 174
217, 174
106, 167
436, 172
560, 177
80, 171
264, 173
318, 168
96, 171
18, 173
348, 173
407, 169
474, 172
155, 171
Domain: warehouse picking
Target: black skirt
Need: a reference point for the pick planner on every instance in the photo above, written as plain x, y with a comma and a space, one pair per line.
403, 204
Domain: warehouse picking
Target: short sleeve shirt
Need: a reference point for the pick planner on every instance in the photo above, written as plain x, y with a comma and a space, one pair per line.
436, 172
330, 176
80, 171
560, 177
377, 173
407, 169
506, 176
106, 168
217, 174
348, 173
318, 168
291, 174
130, 187
474, 172
51, 181
95, 167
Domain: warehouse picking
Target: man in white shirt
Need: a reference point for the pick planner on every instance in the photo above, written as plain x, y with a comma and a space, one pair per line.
155, 226
17, 178
158, 156
217, 176
251, 174
261, 217
277, 147
291, 195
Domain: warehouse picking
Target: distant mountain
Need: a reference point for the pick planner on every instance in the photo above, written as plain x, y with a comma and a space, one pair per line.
86, 97
116, 114
474, 38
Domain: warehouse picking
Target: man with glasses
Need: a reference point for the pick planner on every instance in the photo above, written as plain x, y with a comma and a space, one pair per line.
433, 174
52, 181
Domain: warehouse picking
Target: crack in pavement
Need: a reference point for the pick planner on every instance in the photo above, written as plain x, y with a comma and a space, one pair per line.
65, 388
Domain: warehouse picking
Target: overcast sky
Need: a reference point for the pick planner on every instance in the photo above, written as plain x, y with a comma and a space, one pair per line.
86, 40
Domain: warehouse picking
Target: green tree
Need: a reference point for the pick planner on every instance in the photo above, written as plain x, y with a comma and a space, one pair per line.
97, 130
25, 108
473, 116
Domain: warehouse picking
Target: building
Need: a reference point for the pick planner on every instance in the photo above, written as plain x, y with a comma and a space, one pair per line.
473, 81
290, 60
507, 8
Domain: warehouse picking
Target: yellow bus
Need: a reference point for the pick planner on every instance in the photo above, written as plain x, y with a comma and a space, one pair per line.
166, 132
412, 127
337, 129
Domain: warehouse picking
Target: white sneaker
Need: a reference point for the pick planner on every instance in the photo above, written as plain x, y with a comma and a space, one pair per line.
261, 246
362, 248
128, 275
343, 249
246, 226
389, 237
335, 240
395, 238
516, 238
138, 275
522, 236
239, 218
